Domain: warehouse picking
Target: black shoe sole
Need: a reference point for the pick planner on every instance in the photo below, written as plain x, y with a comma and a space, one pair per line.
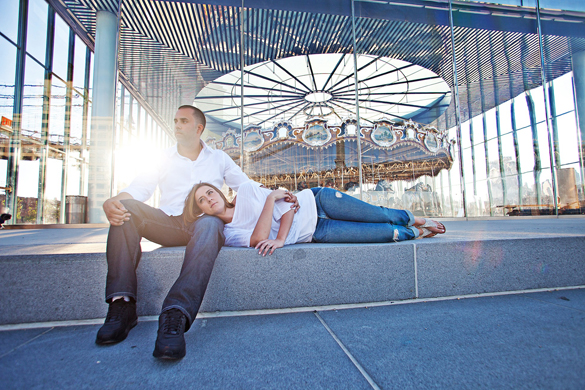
119, 339
168, 355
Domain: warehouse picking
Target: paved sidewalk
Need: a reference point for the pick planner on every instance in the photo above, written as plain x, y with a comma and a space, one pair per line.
93, 239
521, 341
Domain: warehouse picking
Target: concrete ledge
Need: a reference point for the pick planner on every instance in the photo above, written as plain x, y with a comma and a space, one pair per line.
475, 267
71, 286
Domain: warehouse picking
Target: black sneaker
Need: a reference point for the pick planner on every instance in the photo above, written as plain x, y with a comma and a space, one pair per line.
120, 319
170, 340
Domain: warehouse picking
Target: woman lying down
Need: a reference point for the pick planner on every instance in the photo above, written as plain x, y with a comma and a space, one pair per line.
263, 219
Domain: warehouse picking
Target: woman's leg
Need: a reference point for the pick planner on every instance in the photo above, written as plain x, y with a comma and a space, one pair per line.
333, 204
331, 230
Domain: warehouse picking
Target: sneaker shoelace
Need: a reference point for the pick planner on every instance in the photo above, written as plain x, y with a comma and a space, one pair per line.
116, 310
174, 322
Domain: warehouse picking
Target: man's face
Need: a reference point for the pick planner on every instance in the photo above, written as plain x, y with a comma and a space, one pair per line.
187, 130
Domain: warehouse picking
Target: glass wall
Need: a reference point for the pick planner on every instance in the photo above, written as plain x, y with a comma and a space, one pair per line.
398, 124
46, 117
469, 111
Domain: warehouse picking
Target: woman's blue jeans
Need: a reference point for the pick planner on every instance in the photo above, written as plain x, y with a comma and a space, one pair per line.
343, 218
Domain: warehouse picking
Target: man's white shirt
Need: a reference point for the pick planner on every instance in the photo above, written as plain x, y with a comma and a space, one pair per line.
176, 175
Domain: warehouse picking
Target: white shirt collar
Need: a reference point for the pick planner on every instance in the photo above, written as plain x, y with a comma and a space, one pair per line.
204, 149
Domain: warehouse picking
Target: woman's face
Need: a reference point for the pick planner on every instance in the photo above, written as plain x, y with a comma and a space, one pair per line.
209, 201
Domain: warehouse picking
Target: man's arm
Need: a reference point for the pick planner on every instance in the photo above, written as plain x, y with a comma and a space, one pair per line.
115, 210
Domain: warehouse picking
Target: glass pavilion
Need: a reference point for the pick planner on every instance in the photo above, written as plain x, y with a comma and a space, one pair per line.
449, 108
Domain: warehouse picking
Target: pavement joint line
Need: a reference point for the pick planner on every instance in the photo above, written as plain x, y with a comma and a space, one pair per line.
292, 310
415, 273
555, 304
349, 355
26, 342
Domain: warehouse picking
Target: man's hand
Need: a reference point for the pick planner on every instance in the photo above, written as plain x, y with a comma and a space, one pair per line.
115, 210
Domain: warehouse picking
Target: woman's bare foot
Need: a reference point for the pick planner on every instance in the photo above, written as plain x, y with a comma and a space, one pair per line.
433, 227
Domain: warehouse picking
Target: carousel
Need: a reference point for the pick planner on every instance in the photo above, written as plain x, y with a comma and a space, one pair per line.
300, 128
318, 154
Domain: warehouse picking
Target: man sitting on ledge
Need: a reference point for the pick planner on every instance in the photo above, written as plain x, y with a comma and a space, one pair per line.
189, 162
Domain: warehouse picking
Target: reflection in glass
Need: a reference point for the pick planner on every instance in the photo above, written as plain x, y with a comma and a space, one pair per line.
76, 129
52, 201
61, 48
27, 192
33, 92
10, 18
57, 111
7, 74
36, 37
79, 65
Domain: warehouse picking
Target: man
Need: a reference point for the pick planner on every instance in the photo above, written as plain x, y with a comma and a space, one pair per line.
189, 162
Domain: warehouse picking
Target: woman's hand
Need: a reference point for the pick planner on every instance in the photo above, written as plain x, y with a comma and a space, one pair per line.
269, 245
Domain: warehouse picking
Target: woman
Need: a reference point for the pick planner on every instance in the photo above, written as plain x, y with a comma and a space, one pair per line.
263, 219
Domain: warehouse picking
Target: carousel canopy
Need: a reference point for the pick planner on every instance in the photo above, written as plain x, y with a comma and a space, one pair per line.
318, 152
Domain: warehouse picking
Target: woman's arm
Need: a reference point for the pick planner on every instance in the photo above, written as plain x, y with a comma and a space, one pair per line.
262, 229
285, 223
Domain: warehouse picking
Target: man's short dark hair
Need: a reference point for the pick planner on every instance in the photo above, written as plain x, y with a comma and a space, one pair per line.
197, 113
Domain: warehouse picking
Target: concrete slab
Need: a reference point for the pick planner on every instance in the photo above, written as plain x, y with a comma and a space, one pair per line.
522, 341
512, 342
471, 267
310, 275
284, 351
59, 274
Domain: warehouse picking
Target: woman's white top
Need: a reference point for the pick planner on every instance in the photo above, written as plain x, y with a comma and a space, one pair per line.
249, 204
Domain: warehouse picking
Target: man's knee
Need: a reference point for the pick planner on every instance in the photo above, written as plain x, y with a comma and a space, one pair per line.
134, 207
209, 224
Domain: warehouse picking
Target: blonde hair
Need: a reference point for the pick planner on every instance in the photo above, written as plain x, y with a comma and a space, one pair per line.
192, 212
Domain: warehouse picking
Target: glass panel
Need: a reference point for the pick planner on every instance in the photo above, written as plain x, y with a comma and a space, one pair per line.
79, 65
491, 125
526, 151
10, 18
32, 107
568, 140
74, 174
90, 96
477, 125
563, 56
465, 135
497, 62
404, 106
538, 98
563, 93
36, 37
521, 116
76, 131
3, 171
53, 179
61, 48
27, 192
543, 147
88, 125
510, 170
7, 76
57, 111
